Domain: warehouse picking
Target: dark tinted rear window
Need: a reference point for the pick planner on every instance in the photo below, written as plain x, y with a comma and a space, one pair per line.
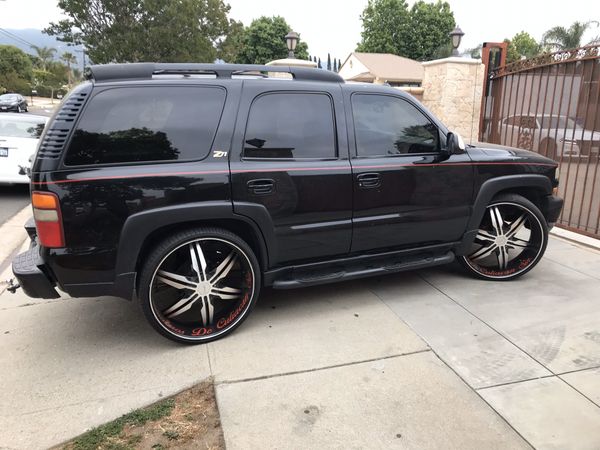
142, 124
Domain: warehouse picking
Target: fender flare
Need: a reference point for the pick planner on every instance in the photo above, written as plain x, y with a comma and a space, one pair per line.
139, 226
491, 188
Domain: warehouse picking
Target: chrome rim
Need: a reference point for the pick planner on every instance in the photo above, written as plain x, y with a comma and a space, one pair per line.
202, 288
508, 242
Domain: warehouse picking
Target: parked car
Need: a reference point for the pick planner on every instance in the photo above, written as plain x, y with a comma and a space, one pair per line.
549, 135
192, 186
19, 137
13, 102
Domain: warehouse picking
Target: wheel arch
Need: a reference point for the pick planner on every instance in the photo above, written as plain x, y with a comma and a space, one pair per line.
532, 186
142, 231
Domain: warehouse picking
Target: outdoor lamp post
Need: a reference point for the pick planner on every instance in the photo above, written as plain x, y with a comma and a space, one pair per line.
291, 39
456, 36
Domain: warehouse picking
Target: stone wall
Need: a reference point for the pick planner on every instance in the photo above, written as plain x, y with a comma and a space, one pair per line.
452, 90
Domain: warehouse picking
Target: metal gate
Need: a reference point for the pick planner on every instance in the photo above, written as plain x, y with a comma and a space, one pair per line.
550, 104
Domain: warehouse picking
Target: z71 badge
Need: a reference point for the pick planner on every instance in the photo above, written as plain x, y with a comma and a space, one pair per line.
219, 154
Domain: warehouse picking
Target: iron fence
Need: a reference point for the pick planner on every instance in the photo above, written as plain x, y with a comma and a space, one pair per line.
550, 105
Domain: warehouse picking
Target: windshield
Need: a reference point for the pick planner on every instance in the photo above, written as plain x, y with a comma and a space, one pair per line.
559, 122
21, 128
9, 98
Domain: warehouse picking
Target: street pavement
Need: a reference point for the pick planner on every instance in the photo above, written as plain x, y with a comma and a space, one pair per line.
427, 359
12, 200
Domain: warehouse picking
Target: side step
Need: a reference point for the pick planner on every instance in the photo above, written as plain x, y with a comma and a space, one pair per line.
341, 271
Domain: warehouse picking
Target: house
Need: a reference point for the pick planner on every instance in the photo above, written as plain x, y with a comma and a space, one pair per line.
380, 68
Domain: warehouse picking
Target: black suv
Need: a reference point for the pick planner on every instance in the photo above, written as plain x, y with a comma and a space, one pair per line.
191, 186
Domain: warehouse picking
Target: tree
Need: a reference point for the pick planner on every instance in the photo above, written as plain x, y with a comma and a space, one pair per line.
44, 55
390, 27
15, 70
69, 58
384, 25
522, 45
228, 48
560, 38
430, 26
335, 66
144, 30
328, 61
264, 41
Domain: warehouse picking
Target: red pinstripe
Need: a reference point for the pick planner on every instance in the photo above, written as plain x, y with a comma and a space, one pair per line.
290, 169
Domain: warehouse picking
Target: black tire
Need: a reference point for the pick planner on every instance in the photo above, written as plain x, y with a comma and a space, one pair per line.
515, 256
205, 310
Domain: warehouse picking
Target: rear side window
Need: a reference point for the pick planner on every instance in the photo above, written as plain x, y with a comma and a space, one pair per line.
144, 124
290, 126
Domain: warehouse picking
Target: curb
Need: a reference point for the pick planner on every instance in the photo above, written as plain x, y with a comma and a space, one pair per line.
576, 238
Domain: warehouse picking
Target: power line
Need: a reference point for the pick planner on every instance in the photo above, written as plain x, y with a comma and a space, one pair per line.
16, 38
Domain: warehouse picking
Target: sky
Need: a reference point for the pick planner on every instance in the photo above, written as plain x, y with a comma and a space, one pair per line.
330, 26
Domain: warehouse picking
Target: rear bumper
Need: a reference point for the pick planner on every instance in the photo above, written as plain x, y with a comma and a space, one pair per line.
29, 270
551, 207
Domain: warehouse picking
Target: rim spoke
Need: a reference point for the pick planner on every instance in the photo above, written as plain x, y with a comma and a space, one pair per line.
502, 257
229, 290
181, 306
224, 268
483, 235
483, 252
516, 225
207, 311
175, 280
497, 220
517, 242
198, 260
223, 295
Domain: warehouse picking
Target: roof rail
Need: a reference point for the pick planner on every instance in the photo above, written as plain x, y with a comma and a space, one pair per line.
145, 71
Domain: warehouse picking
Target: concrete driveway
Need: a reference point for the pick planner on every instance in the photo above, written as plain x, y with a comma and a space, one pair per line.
429, 359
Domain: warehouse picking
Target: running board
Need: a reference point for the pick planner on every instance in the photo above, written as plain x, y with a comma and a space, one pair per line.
300, 277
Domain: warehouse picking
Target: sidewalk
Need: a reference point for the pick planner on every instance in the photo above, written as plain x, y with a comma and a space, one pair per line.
428, 359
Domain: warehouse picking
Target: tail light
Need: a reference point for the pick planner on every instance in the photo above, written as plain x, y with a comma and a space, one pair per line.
48, 219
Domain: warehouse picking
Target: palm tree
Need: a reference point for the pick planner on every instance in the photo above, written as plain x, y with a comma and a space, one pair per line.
68, 59
561, 38
44, 54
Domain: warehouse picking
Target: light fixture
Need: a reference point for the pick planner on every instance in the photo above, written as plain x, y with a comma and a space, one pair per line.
291, 40
456, 36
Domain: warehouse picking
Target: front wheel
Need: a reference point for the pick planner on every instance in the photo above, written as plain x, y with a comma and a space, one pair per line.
511, 240
199, 285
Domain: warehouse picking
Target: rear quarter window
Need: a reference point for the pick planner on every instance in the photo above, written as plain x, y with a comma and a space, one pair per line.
146, 124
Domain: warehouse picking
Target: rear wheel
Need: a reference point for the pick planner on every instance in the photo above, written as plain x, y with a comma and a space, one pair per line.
511, 239
199, 285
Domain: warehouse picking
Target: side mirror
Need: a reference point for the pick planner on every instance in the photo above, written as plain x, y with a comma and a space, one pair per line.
454, 143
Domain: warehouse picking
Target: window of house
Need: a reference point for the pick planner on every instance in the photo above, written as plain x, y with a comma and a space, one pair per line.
386, 125
144, 124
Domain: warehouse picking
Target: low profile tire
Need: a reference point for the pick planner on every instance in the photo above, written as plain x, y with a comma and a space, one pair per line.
199, 285
511, 240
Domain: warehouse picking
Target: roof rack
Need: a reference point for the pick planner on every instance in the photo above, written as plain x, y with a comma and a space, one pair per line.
145, 71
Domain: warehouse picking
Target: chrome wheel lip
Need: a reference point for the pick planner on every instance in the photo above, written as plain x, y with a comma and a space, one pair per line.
528, 266
230, 326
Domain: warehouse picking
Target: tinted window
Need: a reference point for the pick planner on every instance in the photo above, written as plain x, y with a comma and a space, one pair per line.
147, 124
387, 125
290, 125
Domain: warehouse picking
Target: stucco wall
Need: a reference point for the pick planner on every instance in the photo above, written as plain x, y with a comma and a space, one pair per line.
452, 90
